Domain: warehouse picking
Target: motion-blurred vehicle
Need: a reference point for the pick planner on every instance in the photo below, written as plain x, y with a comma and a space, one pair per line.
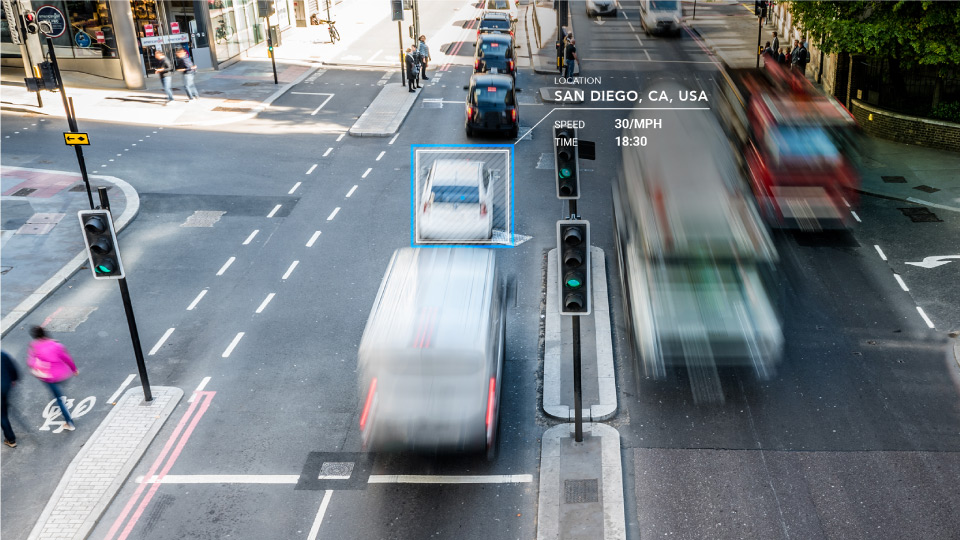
494, 54
456, 202
696, 262
661, 17
503, 6
495, 22
795, 144
432, 353
491, 104
596, 8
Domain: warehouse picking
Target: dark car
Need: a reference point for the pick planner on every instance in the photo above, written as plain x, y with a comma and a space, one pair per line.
494, 22
492, 104
495, 55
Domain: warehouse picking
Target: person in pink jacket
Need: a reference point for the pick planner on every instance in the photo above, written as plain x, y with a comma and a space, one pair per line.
50, 362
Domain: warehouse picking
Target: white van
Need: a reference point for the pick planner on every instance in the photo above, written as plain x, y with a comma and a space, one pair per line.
456, 202
431, 358
661, 16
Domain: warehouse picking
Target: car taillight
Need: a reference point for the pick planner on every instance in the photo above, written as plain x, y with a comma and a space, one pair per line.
509, 65
491, 400
426, 206
513, 115
483, 209
476, 65
470, 112
366, 406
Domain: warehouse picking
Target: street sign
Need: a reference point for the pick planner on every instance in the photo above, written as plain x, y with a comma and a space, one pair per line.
53, 16
74, 139
153, 41
83, 40
148, 30
174, 28
99, 36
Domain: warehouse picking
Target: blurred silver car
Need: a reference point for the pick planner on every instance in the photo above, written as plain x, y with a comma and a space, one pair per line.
601, 7
456, 202
431, 357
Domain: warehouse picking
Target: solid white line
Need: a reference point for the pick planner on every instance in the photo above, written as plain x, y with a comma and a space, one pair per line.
327, 153
366, 172
374, 56
221, 478
274, 211
445, 479
233, 344
349, 193
315, 528
334, 213
394, 138
900, 281
226, 265
290, 270
381, 155
340, 138
855, 216
646, 54
294, 188
880, 251
313, 239
196, 300
126, 382
315, 111
313, 167
925, 318
265, 302
254, 233
159, 344
200, 387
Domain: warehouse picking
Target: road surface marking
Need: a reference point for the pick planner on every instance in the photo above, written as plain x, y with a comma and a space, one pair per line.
374, 57
448, 479
294, 188
880, 251
366, 172
855, 216
254, 233
220, 478
349, 193
265, 302
314, 167
196, 300
340, 138
159, 344
126, 382
329, 97
373, 479
313, 239
274, 211
226, 265
200, 387
845, 202
290, 270
381, 155
332, 214
646, 54
925, 318
394, 138
934, 261
327, 153
315, 528
900, 281
233, 344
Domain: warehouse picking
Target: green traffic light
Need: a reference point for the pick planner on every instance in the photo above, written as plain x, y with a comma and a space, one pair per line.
574, 283
564, 172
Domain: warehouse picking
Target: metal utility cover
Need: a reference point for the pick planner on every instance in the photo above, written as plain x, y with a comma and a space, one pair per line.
36, 228
581, 491
82, 187
23, 192
45, 217
927, 189
894, 179
920, 215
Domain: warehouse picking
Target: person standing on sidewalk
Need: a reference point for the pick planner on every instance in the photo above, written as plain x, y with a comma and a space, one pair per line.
165, 71
424, 57
803, 58
776, 43
50, 362
189, 70
8, 378
571, 58
411, 69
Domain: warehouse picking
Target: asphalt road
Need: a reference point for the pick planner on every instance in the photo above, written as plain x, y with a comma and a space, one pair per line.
858, 433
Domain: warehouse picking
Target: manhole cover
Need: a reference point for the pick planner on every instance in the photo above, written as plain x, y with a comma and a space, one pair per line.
36, 228
581, 491
45, 217
81, 187
894, 179
23, 192
920, 215
336, 470
927, 189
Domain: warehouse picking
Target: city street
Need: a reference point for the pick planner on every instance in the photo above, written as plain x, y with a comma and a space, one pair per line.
258, 249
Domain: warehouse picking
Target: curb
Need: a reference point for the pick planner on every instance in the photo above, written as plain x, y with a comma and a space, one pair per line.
24, 308
553, 346
549, 511
399, 115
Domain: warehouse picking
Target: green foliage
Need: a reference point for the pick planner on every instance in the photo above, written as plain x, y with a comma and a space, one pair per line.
926, 33
946, 111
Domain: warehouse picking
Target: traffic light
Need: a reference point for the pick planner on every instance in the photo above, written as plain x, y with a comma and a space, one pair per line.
101, 240
760, 8
566, 164
573, 255
265, 8
30, 22
396, 10
48, 76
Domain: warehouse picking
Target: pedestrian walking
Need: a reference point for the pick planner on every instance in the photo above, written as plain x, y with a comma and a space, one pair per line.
424, 57
165, 71
776, 42
189, 70
411, 69
803, 58
570, 54
50, 362
8, 378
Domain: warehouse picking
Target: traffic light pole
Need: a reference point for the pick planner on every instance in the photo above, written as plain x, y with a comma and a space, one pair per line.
131, 320
71, 118
575, 324
273, 53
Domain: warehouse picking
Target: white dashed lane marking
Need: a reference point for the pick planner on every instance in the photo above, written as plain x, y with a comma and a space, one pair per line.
333, 214
159, 344
265, 302
290, 270
254, 233
349, 193
232, 345
196, 300
313, 239
226, 265
274, 211
880, 251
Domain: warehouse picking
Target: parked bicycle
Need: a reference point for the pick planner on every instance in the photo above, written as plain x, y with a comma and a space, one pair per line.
332, 28
223, 32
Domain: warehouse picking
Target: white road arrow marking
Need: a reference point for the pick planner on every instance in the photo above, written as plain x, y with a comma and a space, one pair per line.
599, 21
934, 261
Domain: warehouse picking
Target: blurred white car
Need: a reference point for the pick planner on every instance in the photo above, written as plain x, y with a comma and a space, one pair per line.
504, 6
601, 7
456, 202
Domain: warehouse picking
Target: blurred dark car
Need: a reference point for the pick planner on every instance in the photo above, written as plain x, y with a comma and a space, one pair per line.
494, 54
494, 22
491, 104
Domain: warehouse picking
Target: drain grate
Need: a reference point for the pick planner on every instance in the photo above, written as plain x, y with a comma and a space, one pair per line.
920, 215
927, 189
23, 192
894, 179
581, 491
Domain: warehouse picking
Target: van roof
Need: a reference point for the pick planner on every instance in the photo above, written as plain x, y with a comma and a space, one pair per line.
432, 299
456, 172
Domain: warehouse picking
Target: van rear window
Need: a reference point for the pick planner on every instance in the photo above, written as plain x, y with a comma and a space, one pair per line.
456, 194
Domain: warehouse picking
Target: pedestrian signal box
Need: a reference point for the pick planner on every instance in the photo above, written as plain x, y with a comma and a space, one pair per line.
100, 238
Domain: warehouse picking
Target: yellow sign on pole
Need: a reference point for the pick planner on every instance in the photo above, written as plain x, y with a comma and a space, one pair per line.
73, 139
